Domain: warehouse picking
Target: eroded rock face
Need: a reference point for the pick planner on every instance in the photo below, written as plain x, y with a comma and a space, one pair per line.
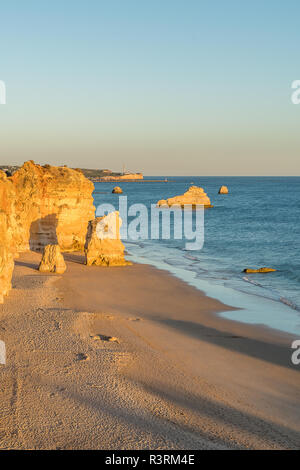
41, 206
52, 260
223, 190
7, 245
194, 196
103, 245
53, 206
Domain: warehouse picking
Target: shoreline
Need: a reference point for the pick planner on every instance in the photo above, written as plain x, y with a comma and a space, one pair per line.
279, 313
134, 358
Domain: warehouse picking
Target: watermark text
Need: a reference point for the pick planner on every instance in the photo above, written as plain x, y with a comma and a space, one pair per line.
295, 96
2, 92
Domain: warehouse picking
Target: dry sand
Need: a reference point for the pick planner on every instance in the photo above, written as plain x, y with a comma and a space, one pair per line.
133, 358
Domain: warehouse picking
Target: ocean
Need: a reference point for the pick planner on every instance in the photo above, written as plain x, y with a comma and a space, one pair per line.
257, 224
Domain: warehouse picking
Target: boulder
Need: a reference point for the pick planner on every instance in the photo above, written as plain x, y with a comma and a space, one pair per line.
117, 190
103, 245
194, 196
52, 260
259, 270
223, 190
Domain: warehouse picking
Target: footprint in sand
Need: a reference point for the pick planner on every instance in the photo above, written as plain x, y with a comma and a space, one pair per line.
82, 357
112, 339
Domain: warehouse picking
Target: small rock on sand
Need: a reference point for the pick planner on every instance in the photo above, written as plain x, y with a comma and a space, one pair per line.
52, 260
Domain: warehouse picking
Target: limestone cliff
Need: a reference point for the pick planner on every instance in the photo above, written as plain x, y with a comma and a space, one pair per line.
103, 245
7, 246
41, 206
194, 196
53, 206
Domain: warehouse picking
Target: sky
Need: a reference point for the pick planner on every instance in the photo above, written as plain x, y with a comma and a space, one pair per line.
165, 87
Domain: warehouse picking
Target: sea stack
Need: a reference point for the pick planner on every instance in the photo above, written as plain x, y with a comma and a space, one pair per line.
194, 196
117, 190
103, 245
223, 190
52, 260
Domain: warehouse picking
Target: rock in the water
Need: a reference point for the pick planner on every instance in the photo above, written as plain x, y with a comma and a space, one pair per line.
117, 190
260, 270
52, 260
103, 245
194, 196
223, 190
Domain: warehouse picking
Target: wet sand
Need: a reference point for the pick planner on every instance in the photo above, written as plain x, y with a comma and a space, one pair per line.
133, 358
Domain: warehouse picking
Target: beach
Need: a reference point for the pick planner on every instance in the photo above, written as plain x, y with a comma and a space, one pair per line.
134, 358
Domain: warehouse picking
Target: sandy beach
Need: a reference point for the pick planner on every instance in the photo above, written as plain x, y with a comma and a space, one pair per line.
133, 358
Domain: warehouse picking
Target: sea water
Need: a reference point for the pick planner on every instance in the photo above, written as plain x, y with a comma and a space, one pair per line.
257, 224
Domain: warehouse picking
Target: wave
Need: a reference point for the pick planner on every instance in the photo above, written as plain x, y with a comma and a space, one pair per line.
289, 303
192, 258
273, 294
204, 269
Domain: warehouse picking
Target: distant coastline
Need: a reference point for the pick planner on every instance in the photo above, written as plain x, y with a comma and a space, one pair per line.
113, 177
95, 175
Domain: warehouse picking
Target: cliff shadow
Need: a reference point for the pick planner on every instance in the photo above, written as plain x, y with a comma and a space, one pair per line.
43, 232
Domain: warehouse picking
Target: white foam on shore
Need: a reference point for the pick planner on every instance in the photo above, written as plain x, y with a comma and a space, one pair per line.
253, 309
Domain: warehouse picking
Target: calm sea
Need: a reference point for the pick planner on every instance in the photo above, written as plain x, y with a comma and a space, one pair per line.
257, 224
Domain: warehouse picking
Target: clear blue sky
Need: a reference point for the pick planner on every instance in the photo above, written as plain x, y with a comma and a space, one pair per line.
167, 87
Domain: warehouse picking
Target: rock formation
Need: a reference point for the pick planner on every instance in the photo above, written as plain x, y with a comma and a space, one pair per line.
52, 260
54, 206
7, 227
260, 270
223, 190
194, 196
117, 190
103, 245
41, 206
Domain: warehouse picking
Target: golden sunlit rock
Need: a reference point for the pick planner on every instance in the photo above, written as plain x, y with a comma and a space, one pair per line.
194, 196
52, 260
103, 245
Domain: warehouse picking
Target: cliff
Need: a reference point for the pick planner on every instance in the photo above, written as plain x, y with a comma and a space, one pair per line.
194, 196
41, 206
53, 206
7, 222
